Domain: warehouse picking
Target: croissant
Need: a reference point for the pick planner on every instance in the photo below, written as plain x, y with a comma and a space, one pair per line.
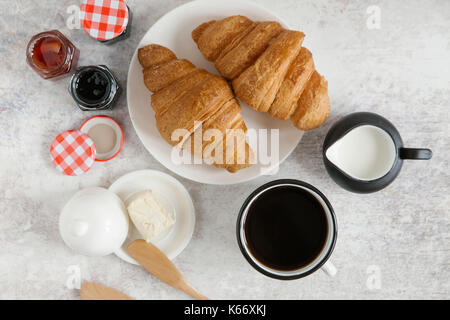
269, 69
195, 101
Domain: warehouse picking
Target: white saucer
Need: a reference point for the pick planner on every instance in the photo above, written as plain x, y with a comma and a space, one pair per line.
173, 242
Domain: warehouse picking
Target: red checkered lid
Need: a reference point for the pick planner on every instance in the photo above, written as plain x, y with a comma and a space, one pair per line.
104, 19
73, 152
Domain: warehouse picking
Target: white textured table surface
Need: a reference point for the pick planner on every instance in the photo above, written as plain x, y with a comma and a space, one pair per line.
399, 236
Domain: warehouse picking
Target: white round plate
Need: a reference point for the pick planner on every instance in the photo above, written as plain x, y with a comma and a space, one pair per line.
173, 191
173, 30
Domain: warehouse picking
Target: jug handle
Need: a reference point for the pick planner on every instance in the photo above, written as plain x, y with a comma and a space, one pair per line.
415, 154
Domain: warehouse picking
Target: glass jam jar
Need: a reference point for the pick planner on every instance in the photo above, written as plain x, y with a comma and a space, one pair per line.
52, 55
94, 88
106, 21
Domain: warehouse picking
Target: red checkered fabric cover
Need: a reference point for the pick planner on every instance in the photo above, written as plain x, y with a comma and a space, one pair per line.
73, 152
104, 19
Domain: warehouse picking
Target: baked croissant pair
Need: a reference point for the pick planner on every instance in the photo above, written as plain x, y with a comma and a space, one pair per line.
269, 70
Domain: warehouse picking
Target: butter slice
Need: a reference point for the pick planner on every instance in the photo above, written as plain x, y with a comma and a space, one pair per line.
149, 215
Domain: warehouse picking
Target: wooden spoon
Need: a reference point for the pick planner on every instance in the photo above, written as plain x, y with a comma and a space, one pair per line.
95, 291
157, 263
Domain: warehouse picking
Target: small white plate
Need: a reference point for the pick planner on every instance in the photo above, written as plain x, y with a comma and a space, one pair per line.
174, 241
173, 30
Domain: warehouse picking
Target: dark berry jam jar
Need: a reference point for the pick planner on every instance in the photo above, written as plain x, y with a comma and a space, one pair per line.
52, 55
94, 88
106, 21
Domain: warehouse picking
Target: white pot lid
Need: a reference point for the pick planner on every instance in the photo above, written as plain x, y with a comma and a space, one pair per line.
94, 222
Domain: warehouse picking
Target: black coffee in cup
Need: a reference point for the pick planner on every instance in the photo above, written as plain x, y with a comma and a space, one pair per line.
286, 228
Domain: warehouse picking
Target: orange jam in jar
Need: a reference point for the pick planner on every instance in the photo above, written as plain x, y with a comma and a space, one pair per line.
52, 55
